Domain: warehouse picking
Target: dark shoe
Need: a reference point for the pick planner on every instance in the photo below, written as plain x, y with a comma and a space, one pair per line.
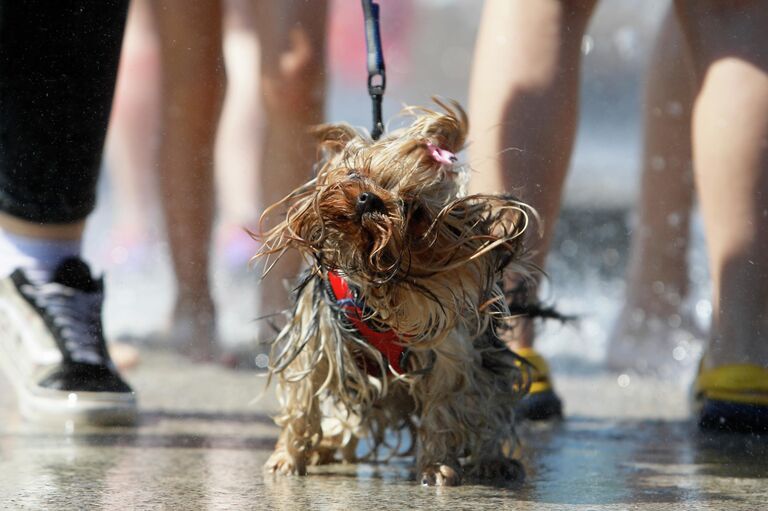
52, 349
732, 398
541, 402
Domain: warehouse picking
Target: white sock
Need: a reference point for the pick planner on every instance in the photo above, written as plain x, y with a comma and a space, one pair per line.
37, 256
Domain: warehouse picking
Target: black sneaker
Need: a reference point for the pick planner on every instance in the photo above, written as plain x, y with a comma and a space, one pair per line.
52, 349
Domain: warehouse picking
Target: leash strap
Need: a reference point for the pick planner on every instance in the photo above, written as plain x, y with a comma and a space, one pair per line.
377, 79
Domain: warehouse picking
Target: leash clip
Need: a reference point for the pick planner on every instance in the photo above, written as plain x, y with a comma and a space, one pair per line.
377, 78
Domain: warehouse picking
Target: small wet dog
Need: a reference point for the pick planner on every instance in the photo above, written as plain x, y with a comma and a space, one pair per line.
393, 331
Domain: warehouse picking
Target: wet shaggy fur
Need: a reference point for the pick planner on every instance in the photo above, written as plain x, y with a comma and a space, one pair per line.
425, 260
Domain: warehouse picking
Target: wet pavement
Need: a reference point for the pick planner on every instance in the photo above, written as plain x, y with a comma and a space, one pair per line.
627, 441
202, 440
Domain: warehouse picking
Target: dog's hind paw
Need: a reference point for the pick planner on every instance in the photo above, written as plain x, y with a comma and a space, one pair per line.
284, 464
506, 470
440, 475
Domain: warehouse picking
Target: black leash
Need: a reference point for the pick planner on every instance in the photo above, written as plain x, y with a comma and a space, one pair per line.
377, 79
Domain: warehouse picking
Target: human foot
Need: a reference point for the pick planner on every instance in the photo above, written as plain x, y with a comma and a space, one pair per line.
653, 344
192, 331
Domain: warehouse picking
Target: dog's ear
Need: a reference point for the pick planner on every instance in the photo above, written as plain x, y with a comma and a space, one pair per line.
447, 129
333, 138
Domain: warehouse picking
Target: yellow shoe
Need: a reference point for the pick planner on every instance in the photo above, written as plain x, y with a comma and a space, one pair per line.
732, 397
541, 402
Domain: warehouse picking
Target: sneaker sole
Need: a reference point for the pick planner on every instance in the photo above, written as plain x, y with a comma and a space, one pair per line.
728, 416
45, 405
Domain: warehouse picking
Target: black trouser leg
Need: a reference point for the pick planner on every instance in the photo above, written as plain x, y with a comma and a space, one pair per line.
58, 66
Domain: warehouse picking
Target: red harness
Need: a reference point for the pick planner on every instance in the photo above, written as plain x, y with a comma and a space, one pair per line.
387, 341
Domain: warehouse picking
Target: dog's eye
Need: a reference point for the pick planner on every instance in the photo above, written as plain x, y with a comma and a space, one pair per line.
354, 174
415, 211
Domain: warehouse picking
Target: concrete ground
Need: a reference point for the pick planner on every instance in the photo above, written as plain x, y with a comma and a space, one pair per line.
202, 441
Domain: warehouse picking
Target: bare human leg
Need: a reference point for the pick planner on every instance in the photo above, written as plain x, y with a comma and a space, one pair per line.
523, 110
651, 324
131, 149
523, 107
292, 39
238, 152
193, 83
730, 149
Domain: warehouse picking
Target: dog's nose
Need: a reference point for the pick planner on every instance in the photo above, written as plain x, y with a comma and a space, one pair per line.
368, 202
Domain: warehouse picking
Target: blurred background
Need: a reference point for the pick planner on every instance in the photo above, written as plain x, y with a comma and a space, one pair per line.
428, 47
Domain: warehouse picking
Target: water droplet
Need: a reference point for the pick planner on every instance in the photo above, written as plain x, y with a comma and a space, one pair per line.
261, 360
674, 109
674, 219
625, 40
623, 380
704, 309
673, 298
679, 353
587, 44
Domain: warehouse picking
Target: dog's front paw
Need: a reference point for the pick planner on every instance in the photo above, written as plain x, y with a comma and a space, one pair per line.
323, 455
283, 463
440, 475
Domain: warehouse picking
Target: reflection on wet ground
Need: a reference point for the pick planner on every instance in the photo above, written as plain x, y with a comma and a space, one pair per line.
194, 452
593, 461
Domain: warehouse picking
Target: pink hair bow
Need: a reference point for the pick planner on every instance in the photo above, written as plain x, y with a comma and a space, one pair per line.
441, 155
